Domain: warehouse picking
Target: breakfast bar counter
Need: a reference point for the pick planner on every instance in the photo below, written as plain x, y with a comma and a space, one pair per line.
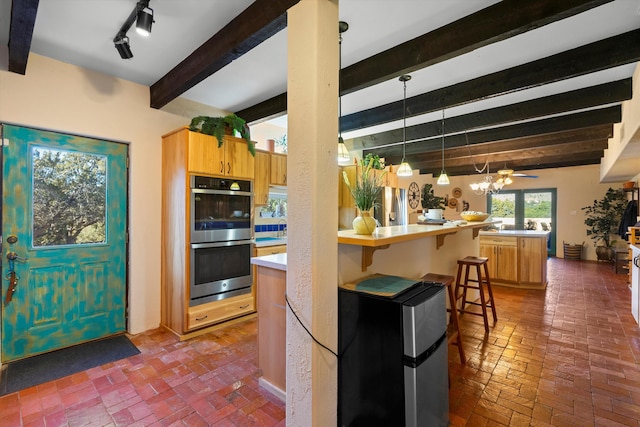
382, 237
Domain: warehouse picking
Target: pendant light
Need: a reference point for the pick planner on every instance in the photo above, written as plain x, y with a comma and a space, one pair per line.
443, 179
404, 169
343, 153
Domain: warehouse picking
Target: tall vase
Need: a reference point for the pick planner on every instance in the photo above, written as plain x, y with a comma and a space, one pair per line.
364, 223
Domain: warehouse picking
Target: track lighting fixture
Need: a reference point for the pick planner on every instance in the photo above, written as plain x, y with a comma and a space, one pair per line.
121, 43
144, 19
142, 14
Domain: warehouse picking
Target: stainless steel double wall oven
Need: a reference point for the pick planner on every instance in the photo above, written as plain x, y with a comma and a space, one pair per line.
221, 238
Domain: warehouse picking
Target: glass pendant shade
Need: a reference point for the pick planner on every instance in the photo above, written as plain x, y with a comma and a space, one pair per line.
344, 157
404, 169
443, 179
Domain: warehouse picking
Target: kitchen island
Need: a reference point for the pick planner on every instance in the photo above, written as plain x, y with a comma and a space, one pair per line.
517, 258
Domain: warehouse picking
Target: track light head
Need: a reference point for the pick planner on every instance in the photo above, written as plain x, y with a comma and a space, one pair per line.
121, 42
144, 19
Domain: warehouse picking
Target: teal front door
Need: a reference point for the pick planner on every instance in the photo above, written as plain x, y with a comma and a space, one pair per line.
64, 210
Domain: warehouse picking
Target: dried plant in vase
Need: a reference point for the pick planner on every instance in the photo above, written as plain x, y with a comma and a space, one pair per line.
365, 191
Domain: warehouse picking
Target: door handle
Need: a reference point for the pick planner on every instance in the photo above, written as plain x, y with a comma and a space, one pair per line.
221, 166
228, 168
636, 260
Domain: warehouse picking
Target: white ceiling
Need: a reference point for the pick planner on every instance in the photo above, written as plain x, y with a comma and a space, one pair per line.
80, 32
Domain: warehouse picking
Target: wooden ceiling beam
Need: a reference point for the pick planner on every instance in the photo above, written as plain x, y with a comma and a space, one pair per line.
584, 119
611, 52
492, 24
23, 19
548, 162
258, 22
606, 93
513, 153
479, 153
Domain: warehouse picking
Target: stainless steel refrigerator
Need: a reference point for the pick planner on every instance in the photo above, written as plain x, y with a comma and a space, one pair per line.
391, 207
393, 368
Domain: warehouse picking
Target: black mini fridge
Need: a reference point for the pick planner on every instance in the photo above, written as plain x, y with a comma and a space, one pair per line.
393, 368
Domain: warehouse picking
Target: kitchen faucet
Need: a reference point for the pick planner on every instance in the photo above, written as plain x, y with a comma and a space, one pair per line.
283, 232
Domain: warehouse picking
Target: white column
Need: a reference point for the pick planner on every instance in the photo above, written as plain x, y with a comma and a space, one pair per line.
312, 181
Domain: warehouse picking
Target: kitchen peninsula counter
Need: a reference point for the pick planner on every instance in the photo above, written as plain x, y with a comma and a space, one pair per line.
383, 237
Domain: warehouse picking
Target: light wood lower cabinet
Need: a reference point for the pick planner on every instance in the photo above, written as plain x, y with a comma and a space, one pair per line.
516, 261
272, 326
217, 311
271, 250
503, 257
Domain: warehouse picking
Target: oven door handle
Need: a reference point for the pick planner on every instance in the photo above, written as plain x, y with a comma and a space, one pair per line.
221, 244
222, 192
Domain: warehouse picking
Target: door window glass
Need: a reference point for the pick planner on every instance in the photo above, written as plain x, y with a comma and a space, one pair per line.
69, 197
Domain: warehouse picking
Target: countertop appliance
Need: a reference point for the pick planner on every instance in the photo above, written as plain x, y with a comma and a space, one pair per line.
393, 367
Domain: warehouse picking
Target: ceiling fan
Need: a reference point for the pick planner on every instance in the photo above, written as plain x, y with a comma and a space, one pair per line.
506, 174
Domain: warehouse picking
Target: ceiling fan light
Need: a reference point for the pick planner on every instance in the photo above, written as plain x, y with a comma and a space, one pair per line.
144, 21
443, 179
404, 170
508, 180
505, 171
344, 157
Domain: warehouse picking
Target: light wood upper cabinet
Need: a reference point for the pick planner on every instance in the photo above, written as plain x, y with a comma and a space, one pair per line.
238, 162
205, 157
278, 171
347, 200
262, 176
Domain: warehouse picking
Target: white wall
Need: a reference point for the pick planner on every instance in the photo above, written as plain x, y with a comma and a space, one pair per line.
576, 187
68, 99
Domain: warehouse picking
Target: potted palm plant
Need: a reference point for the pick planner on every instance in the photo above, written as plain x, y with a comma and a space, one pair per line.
602, 219
221, 126
365, 191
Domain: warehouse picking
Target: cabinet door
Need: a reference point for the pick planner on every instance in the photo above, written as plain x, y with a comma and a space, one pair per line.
489, 251
532, 259
204, 155
238, 162
347, 199
508, 262
261, 183
278, 169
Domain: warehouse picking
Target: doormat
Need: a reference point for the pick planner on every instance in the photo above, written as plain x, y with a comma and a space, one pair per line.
45, 367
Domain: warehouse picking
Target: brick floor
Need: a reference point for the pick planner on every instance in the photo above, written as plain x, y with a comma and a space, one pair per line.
564, 356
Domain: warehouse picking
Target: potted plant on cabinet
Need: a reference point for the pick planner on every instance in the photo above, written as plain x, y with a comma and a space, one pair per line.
602, 219
221, 126
431, 202
365, 190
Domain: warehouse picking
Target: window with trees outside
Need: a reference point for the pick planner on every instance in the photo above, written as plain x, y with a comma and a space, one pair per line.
533, 209
69, 197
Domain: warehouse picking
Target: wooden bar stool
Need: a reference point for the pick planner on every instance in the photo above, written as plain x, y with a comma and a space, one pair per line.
482, 282
453, 333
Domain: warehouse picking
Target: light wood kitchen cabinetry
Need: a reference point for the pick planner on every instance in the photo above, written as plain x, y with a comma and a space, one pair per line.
278, 171
262, 176
532, 253
503, 257
184, 153
516, 260
206, 158
346, 199
271, 250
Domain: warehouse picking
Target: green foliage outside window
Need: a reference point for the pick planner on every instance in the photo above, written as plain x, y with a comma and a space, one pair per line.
69, 197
